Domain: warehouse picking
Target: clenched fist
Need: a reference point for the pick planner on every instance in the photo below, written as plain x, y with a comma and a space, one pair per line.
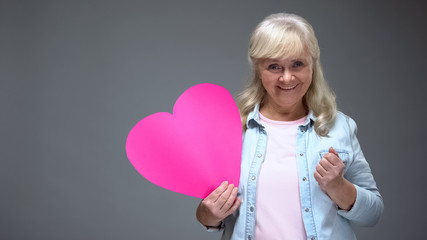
330, 171
330, 176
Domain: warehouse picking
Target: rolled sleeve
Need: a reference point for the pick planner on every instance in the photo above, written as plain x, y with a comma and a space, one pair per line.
367, 208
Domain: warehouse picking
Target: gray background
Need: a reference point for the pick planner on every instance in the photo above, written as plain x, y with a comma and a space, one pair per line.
76, 76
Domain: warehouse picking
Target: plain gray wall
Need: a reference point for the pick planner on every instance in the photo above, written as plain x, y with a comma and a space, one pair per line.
76, 76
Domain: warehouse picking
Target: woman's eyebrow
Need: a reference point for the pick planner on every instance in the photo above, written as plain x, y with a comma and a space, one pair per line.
270, 60
291, 60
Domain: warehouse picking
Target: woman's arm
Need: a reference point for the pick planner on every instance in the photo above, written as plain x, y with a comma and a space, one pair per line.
369, 206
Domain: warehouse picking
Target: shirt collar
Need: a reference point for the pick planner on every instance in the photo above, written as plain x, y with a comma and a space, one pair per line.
253, 118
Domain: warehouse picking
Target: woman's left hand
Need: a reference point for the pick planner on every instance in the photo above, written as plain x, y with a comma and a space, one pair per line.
330, 176
330, 171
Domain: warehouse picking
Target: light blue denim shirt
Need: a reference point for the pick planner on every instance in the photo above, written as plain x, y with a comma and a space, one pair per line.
322, 218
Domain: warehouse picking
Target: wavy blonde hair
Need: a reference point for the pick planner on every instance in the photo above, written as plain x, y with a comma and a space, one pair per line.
282, 35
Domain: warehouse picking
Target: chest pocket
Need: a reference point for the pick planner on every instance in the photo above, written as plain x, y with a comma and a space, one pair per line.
342, 154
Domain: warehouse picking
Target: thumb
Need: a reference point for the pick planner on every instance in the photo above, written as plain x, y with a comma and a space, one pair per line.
332, 150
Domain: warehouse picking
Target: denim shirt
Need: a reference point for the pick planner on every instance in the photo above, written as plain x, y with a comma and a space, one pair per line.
321, 216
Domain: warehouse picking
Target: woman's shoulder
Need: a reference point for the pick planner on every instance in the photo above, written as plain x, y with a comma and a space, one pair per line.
340, 116
343, 120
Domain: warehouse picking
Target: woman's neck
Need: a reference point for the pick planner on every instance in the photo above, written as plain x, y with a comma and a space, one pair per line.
281, 113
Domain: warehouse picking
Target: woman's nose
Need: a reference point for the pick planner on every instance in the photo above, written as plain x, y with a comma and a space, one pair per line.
286, 76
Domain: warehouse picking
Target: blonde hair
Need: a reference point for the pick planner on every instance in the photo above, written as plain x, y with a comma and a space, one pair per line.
285, 35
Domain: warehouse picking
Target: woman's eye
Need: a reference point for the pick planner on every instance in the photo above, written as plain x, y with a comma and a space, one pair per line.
274, 68
298, 64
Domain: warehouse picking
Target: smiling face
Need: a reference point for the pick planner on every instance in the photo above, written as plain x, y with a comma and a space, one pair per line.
286, 82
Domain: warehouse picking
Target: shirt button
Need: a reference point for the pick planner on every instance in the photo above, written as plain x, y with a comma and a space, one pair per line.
304, 179
253, 177
313, 238
259, 155
301, 154
306, 210
251, 209
249, 237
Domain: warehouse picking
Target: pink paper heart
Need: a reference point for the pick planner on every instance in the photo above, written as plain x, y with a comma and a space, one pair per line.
194, 149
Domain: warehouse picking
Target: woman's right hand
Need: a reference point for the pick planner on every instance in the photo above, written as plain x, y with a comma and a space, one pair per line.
218, 205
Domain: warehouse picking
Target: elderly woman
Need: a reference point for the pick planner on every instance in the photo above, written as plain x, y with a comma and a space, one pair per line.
303, 173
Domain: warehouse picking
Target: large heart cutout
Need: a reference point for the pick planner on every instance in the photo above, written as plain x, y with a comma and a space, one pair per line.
194, 149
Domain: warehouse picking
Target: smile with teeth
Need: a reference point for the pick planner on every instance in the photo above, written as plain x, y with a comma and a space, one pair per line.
288, 88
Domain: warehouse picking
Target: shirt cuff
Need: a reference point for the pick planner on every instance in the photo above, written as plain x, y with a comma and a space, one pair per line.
358, 212
367, 208
352, 214
214, 229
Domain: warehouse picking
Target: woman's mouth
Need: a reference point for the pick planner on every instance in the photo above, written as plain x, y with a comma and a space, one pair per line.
288, 88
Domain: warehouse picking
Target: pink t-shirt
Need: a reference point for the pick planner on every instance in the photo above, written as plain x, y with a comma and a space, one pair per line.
278, 211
